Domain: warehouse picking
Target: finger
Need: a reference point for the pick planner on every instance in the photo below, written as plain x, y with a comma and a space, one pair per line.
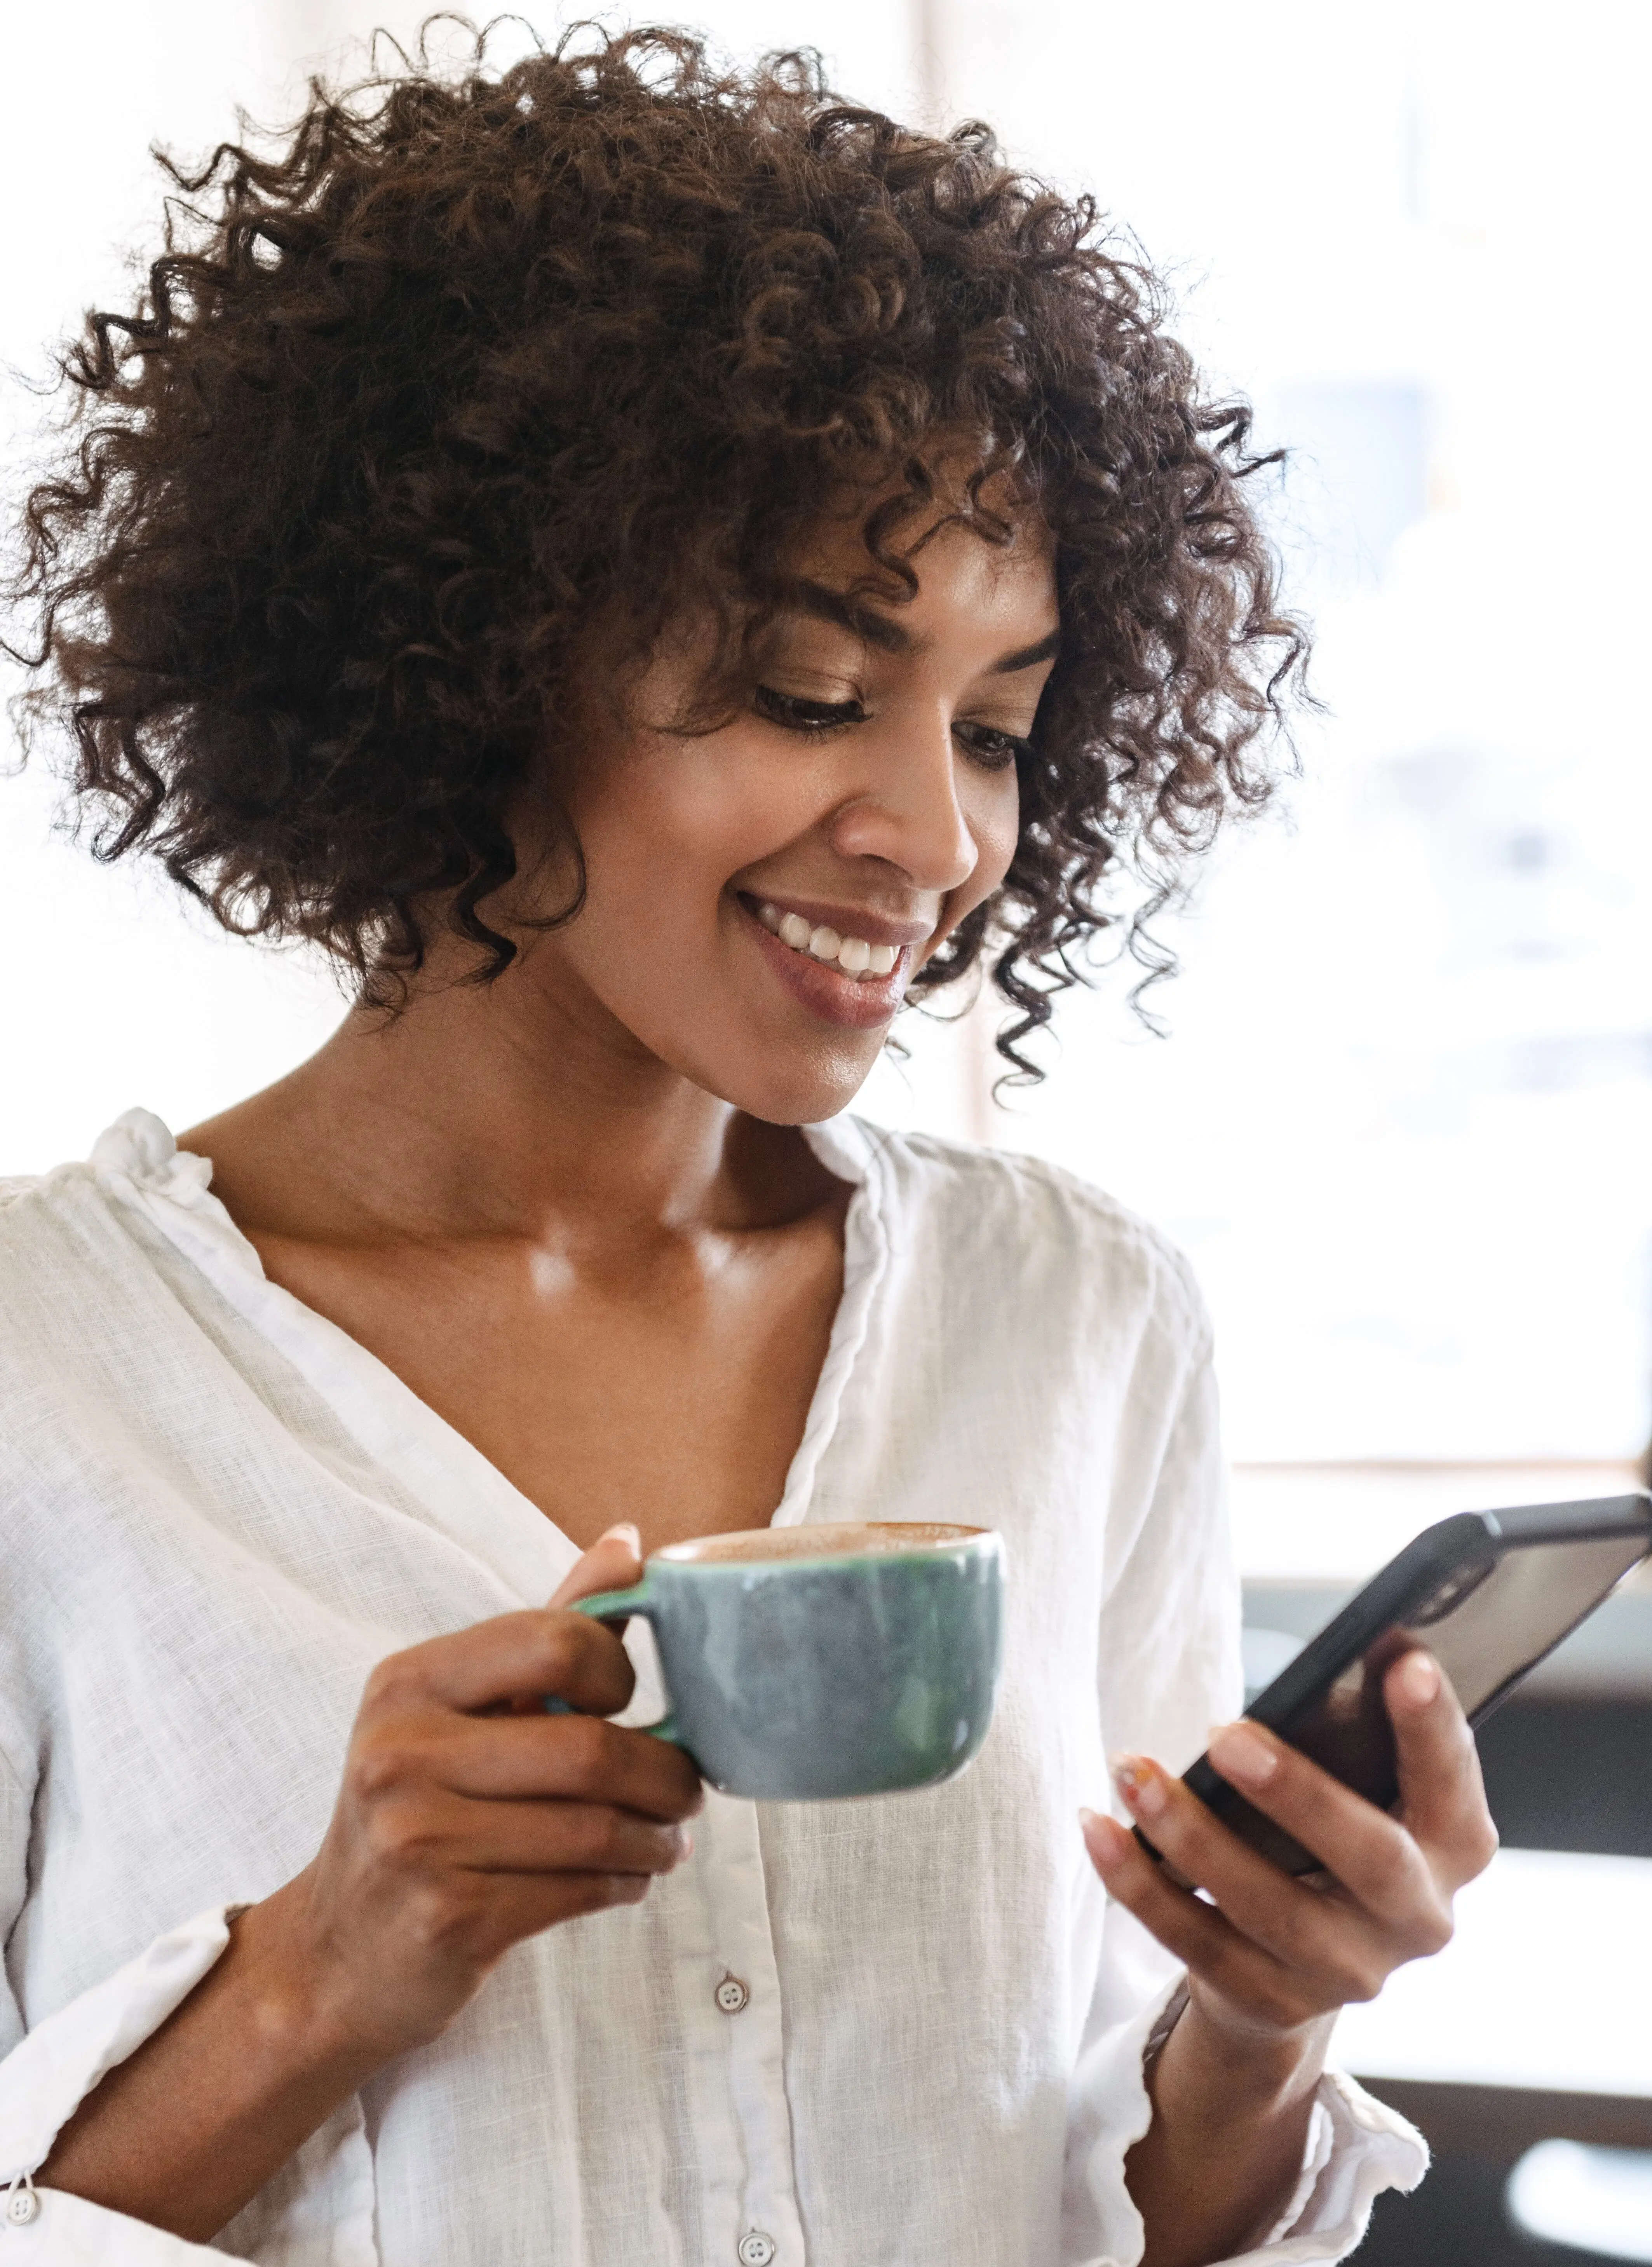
520, 1905
613, 1562
519, 1757
1372, 1855
440, 1830
1329, 1943
1206, 1944
537, 1652
1442, 1797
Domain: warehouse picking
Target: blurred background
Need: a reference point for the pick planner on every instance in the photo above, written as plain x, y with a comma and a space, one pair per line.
1399, 1112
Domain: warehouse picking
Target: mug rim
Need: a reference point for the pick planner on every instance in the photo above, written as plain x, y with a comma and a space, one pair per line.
947, 1537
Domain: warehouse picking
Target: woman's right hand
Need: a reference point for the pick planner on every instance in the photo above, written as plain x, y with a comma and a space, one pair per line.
468, 1818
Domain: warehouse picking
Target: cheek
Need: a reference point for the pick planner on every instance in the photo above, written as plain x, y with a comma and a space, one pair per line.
666, 826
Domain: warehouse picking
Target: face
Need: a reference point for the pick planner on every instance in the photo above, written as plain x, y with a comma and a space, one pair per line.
760, 897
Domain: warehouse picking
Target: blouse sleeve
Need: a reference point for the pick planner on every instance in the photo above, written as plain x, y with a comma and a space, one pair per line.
1168, 1669
46, 2073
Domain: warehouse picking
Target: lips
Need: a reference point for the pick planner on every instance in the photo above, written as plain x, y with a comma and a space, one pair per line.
815, 972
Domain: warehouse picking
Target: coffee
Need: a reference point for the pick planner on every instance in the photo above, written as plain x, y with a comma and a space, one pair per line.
824, 1542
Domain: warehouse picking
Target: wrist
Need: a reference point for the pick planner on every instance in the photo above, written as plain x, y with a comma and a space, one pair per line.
1255, 2069
296, 2002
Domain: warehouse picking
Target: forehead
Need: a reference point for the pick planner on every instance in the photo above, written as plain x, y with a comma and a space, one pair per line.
993, 558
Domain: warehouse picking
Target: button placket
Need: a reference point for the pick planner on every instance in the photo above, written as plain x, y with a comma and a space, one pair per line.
732, 1877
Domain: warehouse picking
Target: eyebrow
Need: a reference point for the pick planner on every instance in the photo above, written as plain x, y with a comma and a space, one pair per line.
862, 621
1029, 656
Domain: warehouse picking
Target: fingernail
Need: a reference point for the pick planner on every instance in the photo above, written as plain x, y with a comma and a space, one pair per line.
1418, 1679
623, 1533
1138, 1781
1239, 1752
1106, 1839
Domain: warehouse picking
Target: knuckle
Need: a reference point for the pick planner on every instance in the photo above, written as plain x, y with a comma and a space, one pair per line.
1390, 1875
444, 1916
1484, 1843
390, 1681
381, 1763
1433, 1931
560, 1636
402, 1835
587, 1750
598, 1838
1359, 1980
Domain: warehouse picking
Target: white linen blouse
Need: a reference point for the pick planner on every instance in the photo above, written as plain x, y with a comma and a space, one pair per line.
903, 2032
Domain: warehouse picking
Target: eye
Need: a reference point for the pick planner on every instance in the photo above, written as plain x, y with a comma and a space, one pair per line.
807, 716
992, 750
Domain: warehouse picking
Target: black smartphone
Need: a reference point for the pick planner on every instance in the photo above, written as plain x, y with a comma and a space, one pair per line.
1489, 1593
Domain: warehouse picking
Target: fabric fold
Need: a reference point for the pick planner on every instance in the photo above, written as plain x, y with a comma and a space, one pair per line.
52, 2069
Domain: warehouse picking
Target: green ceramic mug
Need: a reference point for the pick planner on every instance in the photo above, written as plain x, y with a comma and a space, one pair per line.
802, 1662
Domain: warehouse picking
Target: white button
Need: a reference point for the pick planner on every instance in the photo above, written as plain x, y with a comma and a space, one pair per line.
732, 1996
756, 2249
23, 2204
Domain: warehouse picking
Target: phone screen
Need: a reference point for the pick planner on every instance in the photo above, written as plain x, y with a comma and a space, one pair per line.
1486, 1624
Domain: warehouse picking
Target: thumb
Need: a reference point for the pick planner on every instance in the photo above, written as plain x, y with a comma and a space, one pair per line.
613, 1562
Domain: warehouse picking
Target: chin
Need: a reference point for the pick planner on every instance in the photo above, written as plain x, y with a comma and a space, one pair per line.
792, 1090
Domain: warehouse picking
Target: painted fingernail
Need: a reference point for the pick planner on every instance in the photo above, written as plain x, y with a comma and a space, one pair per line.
1106, 1839
1139, 1782
1417, 1679
1240, 1753
623, 1533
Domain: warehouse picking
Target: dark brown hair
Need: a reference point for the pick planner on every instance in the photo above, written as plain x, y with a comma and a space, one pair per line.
468, 365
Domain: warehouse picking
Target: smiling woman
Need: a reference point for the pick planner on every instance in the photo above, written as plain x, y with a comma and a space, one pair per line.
648, 569
470, 385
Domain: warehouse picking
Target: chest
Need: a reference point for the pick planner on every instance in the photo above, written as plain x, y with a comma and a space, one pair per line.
670, 1389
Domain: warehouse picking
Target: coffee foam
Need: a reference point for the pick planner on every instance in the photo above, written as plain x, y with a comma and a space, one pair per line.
856, 1540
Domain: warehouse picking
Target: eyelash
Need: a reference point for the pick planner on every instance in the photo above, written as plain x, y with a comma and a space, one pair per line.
992, 750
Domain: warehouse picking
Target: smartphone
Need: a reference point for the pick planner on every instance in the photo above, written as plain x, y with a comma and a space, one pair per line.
1489, 1593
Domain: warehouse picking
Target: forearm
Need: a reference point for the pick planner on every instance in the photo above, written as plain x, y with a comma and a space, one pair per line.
1230, 2116
190, 2128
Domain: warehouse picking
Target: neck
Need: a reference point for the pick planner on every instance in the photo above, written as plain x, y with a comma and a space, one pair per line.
519, 1109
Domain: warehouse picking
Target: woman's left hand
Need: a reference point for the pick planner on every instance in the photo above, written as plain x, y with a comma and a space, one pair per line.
1272, 1952
1270, 1959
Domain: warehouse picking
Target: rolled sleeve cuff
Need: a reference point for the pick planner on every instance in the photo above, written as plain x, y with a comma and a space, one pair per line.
53, 2068
1356, 2147
68, 2231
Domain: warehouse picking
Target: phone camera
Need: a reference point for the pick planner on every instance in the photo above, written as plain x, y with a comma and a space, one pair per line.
1451, 1593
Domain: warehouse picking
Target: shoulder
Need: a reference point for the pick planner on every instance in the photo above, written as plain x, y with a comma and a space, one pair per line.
59, 1245
78, 1282
1031, 1234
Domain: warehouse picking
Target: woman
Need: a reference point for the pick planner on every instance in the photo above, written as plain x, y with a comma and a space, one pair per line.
648, 570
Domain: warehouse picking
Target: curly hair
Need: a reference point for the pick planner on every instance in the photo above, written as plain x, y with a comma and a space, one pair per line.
469, 364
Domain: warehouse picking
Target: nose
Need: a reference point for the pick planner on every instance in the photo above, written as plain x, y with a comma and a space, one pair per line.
904, 807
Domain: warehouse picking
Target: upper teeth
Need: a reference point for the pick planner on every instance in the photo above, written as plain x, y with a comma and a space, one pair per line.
853, 954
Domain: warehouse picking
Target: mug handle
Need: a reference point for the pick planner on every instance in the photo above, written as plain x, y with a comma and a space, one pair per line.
618, 1606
